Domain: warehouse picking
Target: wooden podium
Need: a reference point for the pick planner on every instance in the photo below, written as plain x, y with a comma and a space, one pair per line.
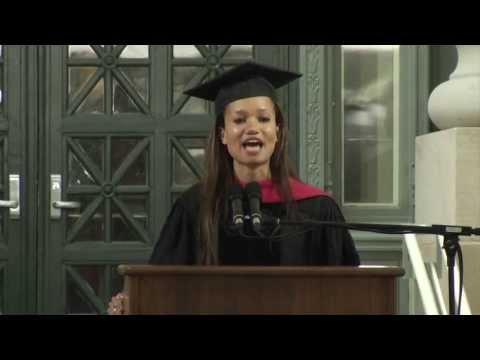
259, 290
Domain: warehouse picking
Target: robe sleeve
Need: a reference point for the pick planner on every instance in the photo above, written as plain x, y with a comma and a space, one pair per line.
175, 245
340, 245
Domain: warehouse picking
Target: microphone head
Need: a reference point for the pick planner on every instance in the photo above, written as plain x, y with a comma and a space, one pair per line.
253, 190
236, 192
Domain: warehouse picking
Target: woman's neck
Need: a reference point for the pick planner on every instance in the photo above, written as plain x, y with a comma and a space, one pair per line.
246, 174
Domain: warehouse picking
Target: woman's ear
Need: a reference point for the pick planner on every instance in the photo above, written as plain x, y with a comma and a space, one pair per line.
222, 135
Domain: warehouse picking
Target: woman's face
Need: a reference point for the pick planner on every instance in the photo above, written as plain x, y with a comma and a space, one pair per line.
251, 131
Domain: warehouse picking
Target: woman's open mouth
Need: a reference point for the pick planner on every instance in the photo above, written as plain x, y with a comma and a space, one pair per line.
252, 146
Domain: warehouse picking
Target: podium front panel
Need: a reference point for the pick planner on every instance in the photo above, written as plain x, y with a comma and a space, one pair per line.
260, 290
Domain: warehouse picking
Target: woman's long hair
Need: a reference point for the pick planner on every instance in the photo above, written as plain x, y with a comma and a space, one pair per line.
220, 176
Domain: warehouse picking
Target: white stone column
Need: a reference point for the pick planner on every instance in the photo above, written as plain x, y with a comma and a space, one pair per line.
447, 191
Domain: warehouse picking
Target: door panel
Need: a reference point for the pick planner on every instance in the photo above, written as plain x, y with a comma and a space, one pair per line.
101, 140
13, 247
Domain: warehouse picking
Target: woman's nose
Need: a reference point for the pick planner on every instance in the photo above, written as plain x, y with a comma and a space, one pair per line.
252, 126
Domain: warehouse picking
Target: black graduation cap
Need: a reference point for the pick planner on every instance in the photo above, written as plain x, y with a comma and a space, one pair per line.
243, 81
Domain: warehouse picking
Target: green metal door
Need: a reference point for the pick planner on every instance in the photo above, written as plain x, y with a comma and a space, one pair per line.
120, 143
14, 262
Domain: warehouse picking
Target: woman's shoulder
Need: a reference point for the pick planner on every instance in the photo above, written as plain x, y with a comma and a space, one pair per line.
324, 200
190, 198
192, 192
323, 206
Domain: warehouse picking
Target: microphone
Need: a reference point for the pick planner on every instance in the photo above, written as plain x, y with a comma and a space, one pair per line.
236, 201
254, 195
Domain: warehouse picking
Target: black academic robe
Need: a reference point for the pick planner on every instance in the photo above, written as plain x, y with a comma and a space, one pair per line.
178, 241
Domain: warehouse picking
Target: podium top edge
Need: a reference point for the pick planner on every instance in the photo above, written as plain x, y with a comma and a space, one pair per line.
261, 270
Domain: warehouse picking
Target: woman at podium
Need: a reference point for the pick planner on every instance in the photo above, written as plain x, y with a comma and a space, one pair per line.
248, 144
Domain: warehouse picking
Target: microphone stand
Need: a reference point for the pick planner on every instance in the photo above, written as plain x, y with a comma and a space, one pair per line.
450, 240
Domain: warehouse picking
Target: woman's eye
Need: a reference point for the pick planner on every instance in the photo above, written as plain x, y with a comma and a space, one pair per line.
264, 119
238, 120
